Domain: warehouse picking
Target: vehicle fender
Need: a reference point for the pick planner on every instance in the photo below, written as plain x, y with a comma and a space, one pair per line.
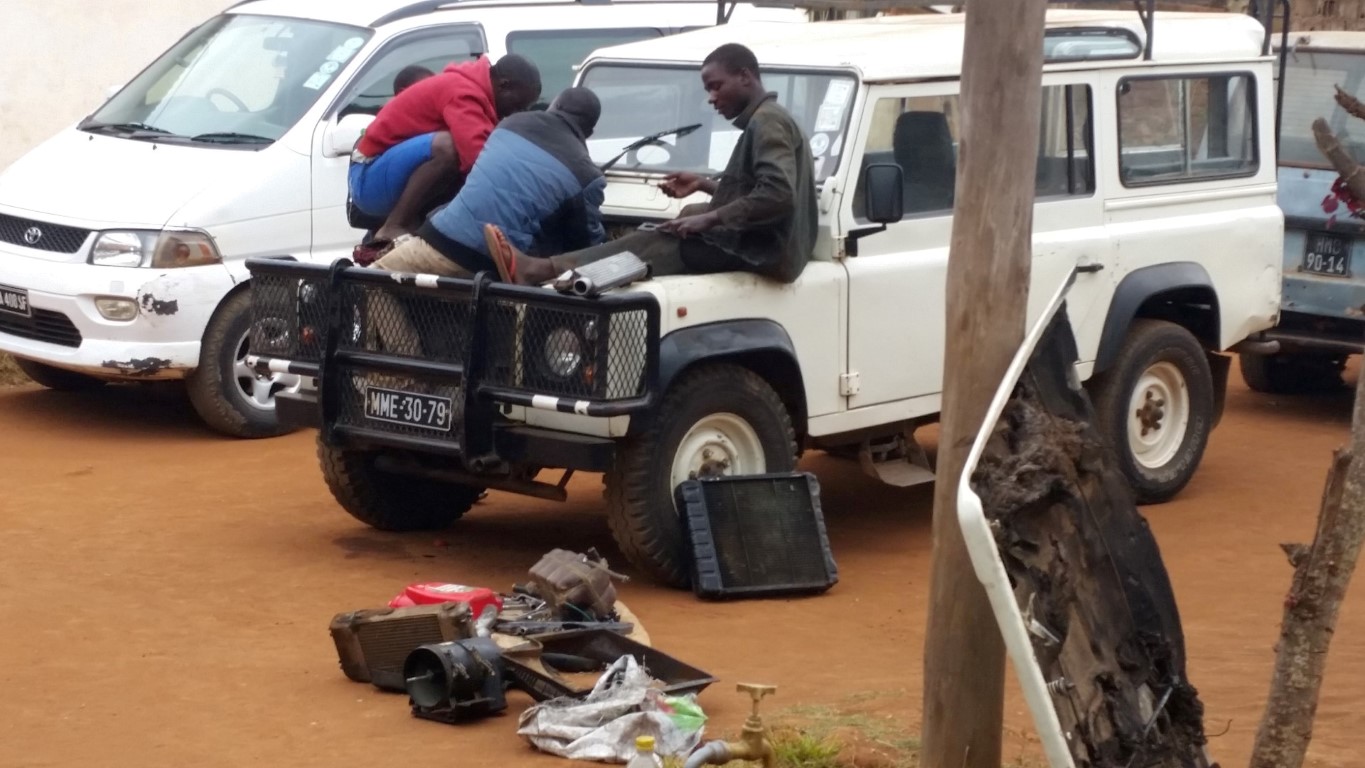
1134, 290
759, 344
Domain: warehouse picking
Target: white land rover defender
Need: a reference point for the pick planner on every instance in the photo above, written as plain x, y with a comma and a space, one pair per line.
1155, 185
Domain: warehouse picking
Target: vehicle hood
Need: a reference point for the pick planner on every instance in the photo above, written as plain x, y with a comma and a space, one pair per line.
102, 182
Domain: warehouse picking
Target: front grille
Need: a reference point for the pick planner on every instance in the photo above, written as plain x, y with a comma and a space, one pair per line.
41, 325
430, 325
41, 235
289, 317
567, 351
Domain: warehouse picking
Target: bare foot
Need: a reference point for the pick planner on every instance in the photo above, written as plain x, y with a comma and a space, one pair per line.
513, 265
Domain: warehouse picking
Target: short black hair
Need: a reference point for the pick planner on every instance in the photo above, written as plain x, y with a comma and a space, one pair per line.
734, 57
408, 75
518, 70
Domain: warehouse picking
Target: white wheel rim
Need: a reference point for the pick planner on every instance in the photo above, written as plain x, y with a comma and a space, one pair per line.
719, 444
257, 390
1158, 415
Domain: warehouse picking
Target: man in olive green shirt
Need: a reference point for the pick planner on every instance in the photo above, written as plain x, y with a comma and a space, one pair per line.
762, 213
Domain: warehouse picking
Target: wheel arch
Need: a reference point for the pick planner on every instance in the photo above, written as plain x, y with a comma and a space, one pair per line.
760, 345
1181, 293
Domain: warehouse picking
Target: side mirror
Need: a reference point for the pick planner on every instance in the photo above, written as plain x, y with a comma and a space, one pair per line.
110, 91
884, 192
341, 136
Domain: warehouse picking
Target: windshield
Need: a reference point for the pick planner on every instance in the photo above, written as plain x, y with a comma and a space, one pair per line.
237, 79
1309, 91
639, 101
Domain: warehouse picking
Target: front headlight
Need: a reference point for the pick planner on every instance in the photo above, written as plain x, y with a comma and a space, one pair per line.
160, 250
563, 352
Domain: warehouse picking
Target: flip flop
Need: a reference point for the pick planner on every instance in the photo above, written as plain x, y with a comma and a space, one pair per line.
366, 254
503, 254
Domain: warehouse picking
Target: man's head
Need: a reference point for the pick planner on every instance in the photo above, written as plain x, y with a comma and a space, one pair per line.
409, 75
730, 76
581, 106
516, 84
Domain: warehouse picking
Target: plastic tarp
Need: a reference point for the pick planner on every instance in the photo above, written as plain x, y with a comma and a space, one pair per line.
602, 726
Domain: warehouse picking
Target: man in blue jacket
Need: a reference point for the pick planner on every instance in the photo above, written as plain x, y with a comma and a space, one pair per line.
534, 179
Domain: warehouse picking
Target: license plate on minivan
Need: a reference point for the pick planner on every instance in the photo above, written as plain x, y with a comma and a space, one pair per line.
409, 409
1328, 255
14, 300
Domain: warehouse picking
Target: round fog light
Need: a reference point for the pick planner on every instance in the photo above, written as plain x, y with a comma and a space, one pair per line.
117, 309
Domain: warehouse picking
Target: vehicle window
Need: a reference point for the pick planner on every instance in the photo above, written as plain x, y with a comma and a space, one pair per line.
557, 51
1065, 143
251, 77
921, 135
641, 101
433, 49
1179, 129
1310, 85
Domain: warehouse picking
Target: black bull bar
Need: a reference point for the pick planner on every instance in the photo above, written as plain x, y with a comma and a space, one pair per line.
435, 363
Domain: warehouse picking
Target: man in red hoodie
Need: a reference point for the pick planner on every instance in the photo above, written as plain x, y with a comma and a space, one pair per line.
431, 132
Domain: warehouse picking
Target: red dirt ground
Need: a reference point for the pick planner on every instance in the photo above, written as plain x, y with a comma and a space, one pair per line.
168, 594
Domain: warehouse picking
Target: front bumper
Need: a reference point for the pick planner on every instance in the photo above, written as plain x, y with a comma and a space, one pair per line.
473, 349
65, 329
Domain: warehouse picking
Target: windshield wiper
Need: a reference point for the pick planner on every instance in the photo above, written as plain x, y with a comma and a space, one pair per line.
127, 128
650, 139
230, 137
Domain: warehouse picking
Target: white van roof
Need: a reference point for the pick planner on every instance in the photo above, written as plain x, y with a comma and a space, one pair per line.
913, 47
365, 13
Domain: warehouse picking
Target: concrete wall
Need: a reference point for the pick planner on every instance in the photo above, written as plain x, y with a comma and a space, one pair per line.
58, 57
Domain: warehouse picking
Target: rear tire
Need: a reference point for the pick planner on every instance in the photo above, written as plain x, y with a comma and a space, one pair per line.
230, 397
1156, 406
715, 419
388, 501
58, 379
1289, 373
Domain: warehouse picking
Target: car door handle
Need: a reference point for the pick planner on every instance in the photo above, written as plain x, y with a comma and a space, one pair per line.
1089, 267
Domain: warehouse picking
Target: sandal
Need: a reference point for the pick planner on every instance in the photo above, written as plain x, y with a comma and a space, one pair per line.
503, 254
366, 254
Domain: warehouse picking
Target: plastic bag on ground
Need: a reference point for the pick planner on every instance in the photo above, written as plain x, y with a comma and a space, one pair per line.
602, 726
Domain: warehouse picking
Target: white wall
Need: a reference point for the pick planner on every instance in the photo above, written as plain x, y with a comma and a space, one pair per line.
58, 57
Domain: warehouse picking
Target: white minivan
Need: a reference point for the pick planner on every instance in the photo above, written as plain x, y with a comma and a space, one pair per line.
123, 238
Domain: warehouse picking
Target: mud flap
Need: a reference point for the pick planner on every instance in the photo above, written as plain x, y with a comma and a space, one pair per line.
1082, 595
1219, 365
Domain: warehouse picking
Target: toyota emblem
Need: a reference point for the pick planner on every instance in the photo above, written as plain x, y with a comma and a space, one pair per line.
32, 235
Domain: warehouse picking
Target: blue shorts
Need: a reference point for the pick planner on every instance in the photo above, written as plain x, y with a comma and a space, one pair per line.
377, 185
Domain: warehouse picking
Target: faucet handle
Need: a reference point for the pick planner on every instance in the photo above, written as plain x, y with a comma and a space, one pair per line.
756, 692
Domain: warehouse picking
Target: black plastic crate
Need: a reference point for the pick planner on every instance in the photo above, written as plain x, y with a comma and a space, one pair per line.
756, 535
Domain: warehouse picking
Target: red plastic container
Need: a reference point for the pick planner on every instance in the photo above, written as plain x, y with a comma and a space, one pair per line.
430, 593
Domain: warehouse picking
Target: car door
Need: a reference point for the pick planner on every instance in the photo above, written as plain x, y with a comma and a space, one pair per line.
432, 47
897, 278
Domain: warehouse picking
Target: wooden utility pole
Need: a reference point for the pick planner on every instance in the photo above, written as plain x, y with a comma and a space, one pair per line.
988, 275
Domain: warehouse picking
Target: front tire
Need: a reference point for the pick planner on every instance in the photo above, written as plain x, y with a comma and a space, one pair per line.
58, 379
1156, 405
715, 420
388, 501
230, 397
